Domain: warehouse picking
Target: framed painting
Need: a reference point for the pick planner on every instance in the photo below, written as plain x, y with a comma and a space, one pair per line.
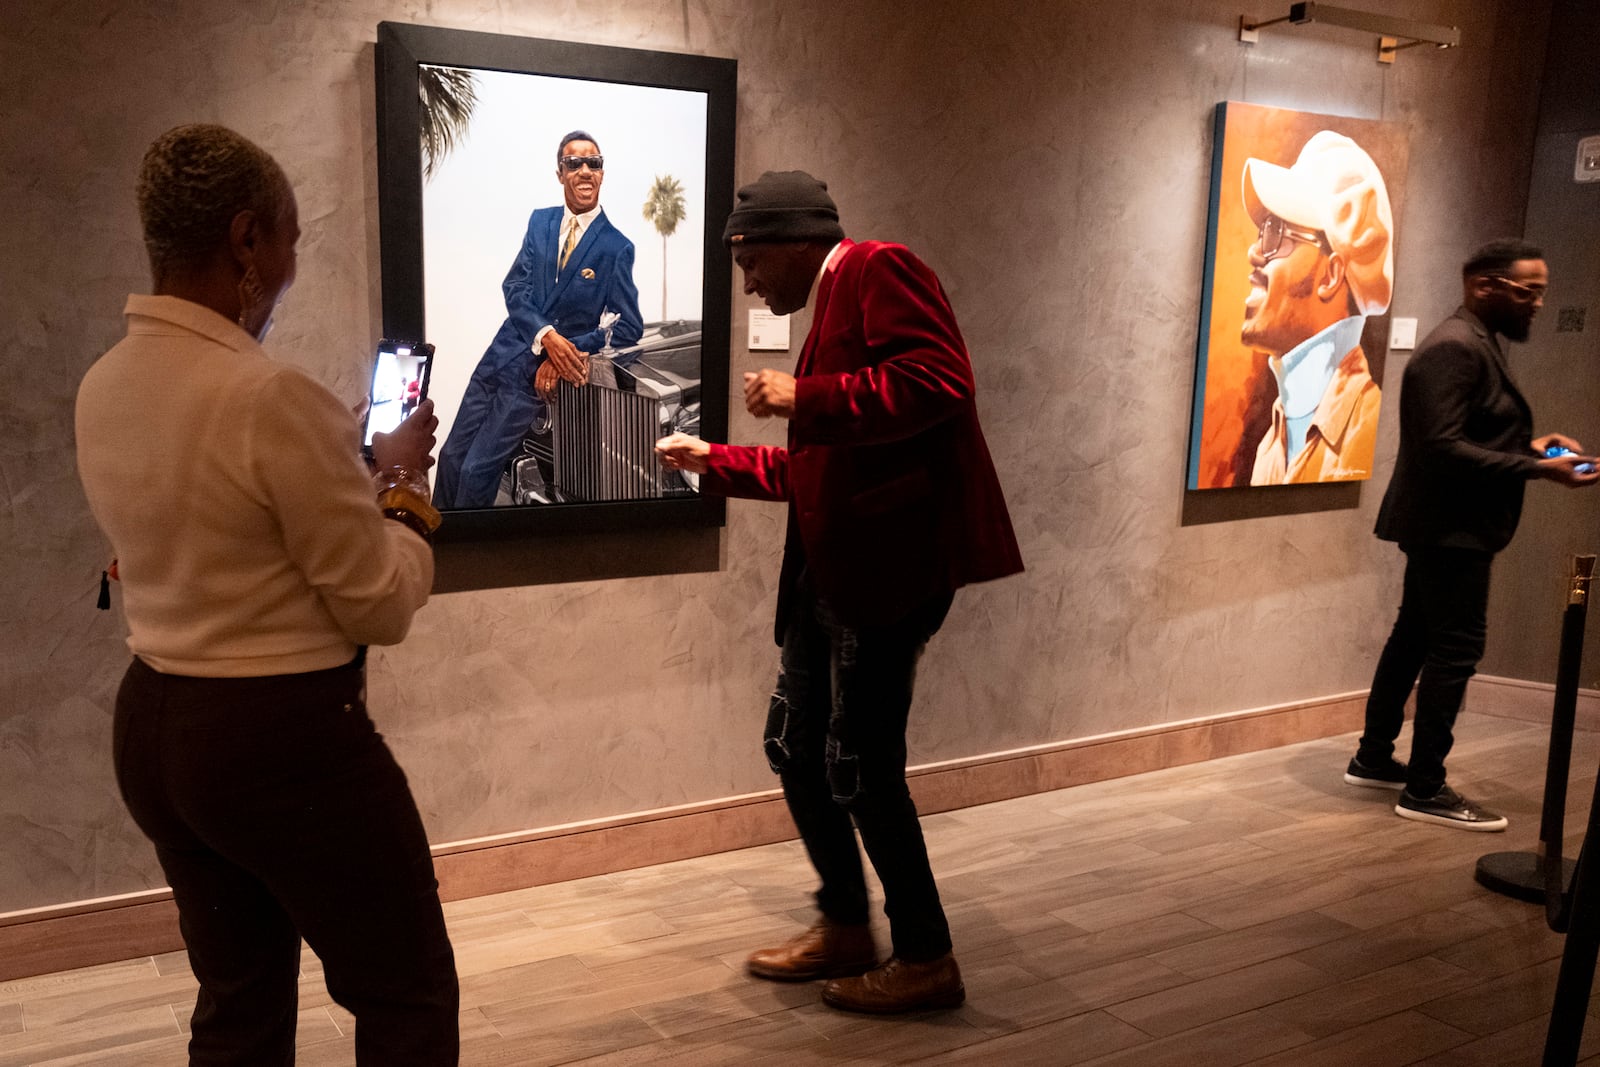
1299, 279
550, 221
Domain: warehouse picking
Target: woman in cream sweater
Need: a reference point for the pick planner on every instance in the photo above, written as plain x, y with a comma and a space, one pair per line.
259, 555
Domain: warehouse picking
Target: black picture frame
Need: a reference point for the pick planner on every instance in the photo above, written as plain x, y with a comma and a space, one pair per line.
401, 51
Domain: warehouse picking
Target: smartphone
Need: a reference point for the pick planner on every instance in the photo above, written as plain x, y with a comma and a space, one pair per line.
1557, 450
400, 373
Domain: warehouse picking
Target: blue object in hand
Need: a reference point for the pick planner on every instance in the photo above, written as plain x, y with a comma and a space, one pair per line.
1557, 450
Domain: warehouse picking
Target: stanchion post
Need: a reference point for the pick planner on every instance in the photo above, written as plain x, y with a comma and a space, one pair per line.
1543, 876
1563, 719
1577, 912
1571, 1003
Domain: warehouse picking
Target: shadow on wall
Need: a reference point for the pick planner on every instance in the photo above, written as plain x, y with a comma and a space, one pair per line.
554, 559
1203, 506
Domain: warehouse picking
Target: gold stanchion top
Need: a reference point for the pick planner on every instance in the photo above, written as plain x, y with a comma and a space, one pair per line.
1582, 574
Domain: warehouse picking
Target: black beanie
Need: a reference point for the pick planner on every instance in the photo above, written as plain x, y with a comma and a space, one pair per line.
787, 205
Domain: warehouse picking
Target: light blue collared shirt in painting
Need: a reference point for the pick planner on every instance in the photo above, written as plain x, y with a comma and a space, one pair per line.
1303, 374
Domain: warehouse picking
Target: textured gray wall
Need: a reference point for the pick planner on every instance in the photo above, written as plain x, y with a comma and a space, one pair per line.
1557, 369
1050, 159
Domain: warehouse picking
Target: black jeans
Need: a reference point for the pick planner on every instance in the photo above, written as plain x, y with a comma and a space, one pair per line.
277, 811
1439, 636
836, 736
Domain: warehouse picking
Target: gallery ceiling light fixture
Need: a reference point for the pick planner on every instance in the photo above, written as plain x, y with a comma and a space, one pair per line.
1390, 30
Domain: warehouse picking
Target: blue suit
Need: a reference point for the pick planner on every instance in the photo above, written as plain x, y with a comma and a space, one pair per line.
500, 404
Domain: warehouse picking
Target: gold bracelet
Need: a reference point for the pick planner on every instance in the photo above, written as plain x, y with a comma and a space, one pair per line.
411, 519
403, 496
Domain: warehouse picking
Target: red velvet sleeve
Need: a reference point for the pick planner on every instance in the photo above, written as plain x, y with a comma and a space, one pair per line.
913, 372
760, 472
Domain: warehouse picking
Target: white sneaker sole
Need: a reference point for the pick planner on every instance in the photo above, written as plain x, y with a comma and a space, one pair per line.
1372, 783
1485, 827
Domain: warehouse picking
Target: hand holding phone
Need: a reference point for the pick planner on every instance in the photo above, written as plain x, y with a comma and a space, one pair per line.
411, 444
1557, 450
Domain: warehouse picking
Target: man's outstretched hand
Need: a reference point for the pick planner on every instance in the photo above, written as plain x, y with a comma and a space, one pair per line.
683, 452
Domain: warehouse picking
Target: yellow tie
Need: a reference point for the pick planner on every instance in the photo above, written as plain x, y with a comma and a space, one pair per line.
566, 249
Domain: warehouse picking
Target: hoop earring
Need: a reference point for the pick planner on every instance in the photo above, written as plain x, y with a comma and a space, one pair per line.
250, 294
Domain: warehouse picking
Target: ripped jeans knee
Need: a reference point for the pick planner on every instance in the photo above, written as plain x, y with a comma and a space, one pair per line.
786, 751
776, 742
844, 773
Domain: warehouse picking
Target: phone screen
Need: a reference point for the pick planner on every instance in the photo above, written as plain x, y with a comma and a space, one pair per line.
399, 384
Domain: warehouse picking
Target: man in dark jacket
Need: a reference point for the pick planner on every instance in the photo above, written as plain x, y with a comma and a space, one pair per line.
893, 505
1466, 450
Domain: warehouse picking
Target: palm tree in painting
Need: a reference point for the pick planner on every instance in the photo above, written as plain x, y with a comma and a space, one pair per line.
665, 207
448, 95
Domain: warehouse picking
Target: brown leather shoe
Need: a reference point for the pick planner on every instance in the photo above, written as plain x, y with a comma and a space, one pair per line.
827, 950
899, 986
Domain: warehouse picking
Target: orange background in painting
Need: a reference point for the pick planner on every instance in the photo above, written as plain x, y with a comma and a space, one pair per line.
1238, 387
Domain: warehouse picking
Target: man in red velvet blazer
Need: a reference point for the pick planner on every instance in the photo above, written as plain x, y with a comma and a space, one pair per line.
893, 505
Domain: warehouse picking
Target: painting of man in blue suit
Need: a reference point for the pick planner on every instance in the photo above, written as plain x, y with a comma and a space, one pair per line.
574, 268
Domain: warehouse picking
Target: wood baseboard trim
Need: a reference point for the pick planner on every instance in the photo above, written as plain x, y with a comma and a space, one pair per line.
83, 933
1513, 698
63, 942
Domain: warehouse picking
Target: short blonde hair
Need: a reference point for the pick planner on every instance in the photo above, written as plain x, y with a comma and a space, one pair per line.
193, 181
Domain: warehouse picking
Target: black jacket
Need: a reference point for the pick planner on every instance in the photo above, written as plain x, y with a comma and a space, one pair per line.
1465, 444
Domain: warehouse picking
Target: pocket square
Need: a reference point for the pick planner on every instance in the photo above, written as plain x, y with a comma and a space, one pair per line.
587, 272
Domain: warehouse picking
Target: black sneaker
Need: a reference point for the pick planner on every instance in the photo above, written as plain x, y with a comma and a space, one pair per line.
1448, 808
1390, 774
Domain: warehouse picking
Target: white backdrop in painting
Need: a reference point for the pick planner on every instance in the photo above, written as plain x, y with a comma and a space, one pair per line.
475, 208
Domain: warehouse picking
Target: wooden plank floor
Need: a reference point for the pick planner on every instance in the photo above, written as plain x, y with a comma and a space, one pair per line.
1251, 910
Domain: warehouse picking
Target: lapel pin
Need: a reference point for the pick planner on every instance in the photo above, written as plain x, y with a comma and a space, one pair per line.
587, 272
